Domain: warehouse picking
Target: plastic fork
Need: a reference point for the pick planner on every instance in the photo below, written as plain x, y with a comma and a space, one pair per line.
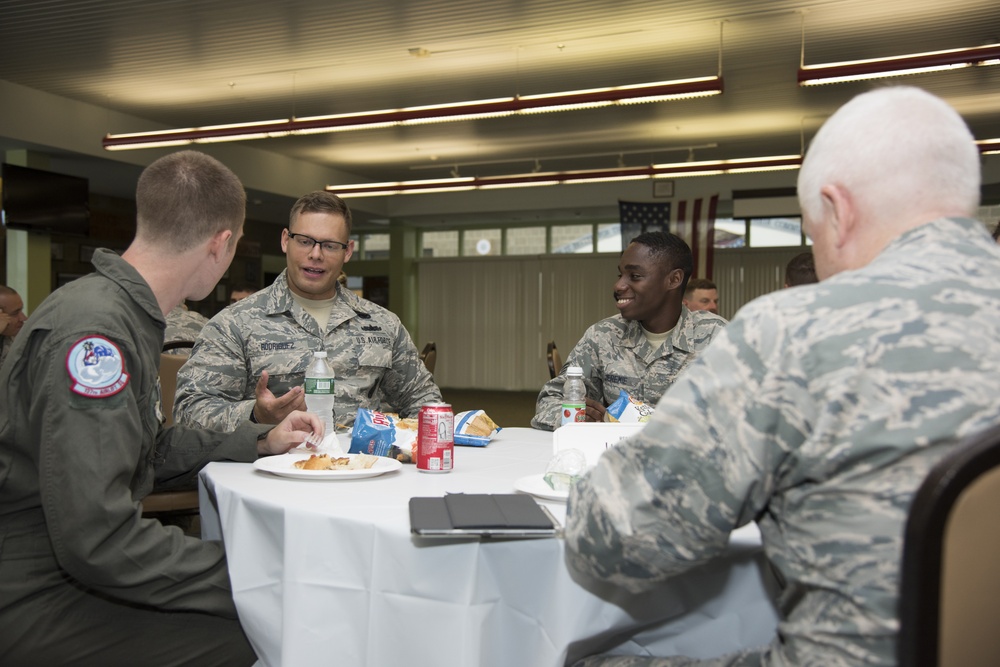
313, 441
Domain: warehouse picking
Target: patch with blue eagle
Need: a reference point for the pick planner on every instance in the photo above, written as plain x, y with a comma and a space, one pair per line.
97, 367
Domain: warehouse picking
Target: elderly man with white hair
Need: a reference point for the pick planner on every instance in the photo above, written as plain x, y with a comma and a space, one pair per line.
818, 411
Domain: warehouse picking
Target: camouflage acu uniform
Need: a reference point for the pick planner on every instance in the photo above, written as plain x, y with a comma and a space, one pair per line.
816, 413
373, 359
615, 355
183, 325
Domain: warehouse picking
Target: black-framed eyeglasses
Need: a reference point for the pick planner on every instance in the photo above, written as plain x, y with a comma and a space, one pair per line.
307, 243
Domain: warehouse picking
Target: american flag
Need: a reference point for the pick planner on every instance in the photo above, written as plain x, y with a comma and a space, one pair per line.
639, 217
693, 220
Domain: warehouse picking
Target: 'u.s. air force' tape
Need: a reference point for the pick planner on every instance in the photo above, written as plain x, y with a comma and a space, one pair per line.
96, 367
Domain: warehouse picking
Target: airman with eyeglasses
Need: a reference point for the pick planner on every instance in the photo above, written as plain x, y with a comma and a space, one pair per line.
252, 359
308, 243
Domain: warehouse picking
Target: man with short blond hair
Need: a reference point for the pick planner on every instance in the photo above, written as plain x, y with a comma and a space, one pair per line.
84, 577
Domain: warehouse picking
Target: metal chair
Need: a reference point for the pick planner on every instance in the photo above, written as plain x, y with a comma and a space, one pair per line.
950, 576
429, 356
553, 358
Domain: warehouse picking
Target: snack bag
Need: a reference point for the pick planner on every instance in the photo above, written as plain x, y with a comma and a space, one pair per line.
627, 409
473, 428
383, 434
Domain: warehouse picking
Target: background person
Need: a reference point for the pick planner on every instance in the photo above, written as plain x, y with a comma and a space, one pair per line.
12, 318
183, 326
701, 294
84, 578
818, 411
239, 292
646, 346
801, 270
250, 361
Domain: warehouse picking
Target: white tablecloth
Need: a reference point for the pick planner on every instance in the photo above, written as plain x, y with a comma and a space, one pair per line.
328, 573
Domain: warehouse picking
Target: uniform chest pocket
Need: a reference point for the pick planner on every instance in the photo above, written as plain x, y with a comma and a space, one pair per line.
375, 358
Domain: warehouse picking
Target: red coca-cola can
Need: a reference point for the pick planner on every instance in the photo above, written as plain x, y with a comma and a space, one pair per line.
435, 438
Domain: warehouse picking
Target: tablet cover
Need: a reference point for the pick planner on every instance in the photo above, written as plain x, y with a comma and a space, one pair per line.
477, 512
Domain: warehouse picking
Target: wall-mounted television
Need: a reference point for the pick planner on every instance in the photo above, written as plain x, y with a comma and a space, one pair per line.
44, 201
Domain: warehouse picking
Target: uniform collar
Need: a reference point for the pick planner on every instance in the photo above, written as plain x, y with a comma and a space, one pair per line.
278, 300
111, 265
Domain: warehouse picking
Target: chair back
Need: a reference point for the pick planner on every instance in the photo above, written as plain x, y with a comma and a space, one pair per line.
553, 358
179, 346
950, 577
429, 356
169, 365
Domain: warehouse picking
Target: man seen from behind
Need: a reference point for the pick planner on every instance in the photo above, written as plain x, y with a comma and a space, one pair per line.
819, 410
84, 578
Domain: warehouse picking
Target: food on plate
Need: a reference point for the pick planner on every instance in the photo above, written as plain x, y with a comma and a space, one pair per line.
325, 462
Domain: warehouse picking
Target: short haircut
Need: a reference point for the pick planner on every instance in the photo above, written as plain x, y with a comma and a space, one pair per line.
996, 231
669, 248
320, 201
699, 283
8, 291
801, 269
184, 198
901, 152
242, 287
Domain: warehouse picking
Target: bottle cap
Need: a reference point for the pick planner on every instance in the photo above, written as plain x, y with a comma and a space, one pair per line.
320, 354
574, 370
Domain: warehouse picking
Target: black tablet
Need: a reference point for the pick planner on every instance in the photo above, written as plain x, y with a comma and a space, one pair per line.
481, 515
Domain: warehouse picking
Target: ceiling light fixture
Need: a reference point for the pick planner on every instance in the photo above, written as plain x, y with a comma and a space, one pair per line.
659, 91
536, 179
676, 170
989, 146
875, 68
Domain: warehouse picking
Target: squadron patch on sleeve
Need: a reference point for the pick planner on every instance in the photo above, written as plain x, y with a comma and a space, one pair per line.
96, 367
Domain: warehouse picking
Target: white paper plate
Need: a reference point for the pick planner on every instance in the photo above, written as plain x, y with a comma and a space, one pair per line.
284, 465
536, 486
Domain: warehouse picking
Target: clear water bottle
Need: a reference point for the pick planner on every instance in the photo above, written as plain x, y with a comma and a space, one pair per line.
319, 389
574, 407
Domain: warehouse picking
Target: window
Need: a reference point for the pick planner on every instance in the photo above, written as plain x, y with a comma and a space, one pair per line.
572, 238
482, 242
439, 244
609, 237
775, 232
525, 241
730, 233
374, 246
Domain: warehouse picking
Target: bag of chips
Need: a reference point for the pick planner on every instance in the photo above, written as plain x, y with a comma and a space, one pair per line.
474, 429
383, 434
627, 409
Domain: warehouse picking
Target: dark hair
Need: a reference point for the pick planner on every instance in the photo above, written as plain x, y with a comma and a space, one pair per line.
996, 232
320, 201
671, 249
801, 270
